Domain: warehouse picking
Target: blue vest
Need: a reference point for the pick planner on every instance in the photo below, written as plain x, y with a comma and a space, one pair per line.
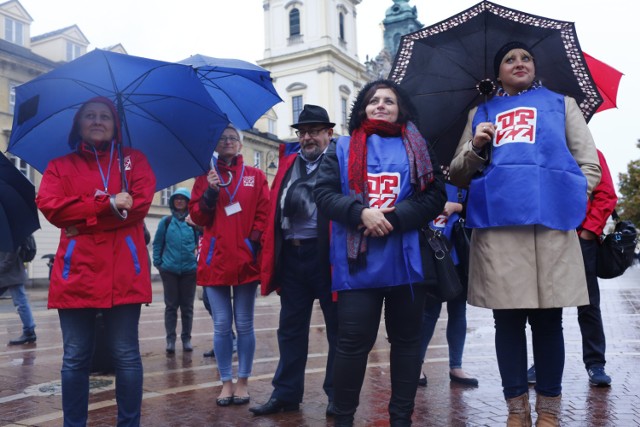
532, 177
392, 260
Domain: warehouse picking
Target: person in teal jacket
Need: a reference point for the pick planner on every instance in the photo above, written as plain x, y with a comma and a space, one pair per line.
174, 255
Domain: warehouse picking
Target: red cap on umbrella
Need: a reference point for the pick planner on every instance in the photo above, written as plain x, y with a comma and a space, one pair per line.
607, 81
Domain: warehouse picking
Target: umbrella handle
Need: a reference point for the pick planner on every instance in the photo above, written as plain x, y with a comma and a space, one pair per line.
122, 214
228, 183
222, 184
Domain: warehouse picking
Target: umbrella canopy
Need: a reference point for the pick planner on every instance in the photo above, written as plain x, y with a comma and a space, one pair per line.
18, 212
164, 110
242, 90
607, 81
447, 68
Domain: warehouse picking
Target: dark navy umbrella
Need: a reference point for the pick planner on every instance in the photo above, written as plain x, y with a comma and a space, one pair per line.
447, 68
164, 109
18, 212
242, 90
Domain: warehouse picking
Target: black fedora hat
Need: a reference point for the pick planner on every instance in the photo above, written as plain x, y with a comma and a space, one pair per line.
313, 114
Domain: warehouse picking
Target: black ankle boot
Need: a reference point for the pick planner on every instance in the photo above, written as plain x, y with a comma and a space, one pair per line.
26, 338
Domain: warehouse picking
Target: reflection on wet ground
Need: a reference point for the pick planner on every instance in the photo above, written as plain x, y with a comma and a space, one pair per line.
180, 390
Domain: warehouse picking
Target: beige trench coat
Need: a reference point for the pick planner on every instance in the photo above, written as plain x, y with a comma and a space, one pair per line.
528, 266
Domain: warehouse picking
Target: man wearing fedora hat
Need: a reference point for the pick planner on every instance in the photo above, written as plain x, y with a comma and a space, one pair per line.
295, 261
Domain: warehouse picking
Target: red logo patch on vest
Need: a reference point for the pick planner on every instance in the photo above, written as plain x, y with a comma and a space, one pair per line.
383, 189
517, 125
249, 181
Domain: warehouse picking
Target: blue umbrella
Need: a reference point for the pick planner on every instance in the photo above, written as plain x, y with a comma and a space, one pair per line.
18, 212
164, 109
242, 90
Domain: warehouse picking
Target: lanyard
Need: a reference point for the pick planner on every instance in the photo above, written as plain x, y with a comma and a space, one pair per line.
105, 180
231, 196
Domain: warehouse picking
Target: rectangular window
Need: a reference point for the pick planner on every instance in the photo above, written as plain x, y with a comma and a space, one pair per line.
22, 166
12, 96
73, 51
165, 195
271, 126
343, 103
13, 31
257, 159
296, 103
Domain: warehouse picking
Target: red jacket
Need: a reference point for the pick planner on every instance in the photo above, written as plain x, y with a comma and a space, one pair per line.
603, 201
267, 284
227, 254
106, 264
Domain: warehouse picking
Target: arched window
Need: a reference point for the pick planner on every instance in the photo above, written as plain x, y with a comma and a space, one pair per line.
341, 20
294, 22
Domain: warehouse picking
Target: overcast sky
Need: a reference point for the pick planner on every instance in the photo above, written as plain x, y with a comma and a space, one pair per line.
234, 29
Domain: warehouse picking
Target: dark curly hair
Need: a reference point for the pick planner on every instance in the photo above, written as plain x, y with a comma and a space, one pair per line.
406, 110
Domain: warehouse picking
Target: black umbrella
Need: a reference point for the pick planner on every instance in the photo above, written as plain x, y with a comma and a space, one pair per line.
447, 68
18, 212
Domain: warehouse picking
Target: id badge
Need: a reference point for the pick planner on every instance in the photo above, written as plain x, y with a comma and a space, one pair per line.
232, 209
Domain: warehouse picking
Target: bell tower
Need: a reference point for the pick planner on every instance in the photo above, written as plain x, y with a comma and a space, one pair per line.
311, 52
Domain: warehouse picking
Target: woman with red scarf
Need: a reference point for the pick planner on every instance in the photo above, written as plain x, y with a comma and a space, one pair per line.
379, 186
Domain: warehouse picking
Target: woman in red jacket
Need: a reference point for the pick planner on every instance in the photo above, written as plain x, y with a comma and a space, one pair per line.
233, 218
101, 263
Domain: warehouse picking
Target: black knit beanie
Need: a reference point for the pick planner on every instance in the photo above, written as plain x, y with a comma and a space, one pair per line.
506, 49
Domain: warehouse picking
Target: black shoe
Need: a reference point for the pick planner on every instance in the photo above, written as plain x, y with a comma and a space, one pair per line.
171, 347
422, 381
186, 346
224, 401
210, 354
237, 400
331, 410
273, 406
25, 338
464, 381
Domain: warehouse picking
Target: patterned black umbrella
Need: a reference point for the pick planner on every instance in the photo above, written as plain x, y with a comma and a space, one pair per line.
18, 212
447, 68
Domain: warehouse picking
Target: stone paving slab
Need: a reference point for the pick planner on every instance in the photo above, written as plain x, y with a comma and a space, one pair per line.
180, 390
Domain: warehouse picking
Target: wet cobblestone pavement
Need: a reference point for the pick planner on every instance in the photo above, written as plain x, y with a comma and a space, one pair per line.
180, 390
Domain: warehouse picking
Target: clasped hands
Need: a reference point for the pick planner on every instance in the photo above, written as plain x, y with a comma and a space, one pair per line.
123, 202
375, 223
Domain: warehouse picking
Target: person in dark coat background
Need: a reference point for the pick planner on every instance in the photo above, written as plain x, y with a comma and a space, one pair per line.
12, 278
295, 261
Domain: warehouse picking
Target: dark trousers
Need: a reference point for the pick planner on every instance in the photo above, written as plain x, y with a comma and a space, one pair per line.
548, 350
589, 316
302, 280
179, 292
359, 313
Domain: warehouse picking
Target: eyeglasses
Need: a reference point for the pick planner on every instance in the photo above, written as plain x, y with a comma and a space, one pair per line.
228, 138
312, 133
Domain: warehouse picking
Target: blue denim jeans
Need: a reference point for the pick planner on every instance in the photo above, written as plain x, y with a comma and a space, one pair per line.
226, 308
21, 303
548, 350
78, 335
456, 327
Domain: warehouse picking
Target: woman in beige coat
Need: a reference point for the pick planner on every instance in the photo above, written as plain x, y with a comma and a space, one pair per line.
530, 163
